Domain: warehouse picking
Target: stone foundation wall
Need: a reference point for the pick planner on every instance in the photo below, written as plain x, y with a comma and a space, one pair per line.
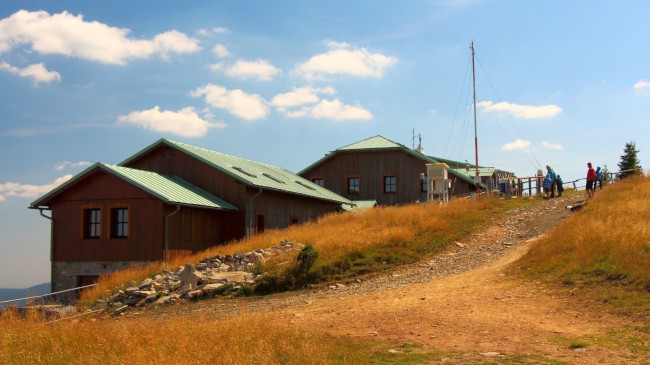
65, 275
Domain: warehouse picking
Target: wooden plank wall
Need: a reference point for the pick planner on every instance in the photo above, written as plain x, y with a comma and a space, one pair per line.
103, 191
371, 167
198, 229
277, 207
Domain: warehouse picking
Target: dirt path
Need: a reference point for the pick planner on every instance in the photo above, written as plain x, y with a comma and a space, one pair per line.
461, 302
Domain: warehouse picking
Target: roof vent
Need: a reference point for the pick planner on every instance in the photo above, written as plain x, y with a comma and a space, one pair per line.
273, 178
305, 185
244, 171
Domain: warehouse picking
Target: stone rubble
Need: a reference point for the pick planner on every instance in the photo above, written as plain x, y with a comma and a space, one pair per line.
209, 277
518, 226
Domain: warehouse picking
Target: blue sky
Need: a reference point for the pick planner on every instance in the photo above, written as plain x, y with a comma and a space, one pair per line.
284, 82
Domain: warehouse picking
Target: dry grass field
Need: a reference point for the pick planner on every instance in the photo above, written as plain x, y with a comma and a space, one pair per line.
602, 253
353, 243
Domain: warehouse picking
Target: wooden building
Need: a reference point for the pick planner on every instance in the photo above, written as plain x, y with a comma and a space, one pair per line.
378, 169
169, 199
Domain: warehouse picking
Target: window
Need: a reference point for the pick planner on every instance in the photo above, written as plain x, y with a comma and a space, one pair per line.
424, 184
119, 222
353, 185
92, 223
390, 182
318, 181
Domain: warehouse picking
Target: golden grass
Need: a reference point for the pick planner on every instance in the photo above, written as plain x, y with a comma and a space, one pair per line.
241, 339
609, 240
391, 235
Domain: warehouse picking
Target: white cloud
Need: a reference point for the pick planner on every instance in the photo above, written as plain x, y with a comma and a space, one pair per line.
174, 42
68, 164
519, 144
38, 72
642, 87
220, 51
520, 111
11, 189
217, 66
185, 122
305, 102
336, 110
69, 35
342, 59
236, 102
215, 30
258, 69
300, 96
553, 146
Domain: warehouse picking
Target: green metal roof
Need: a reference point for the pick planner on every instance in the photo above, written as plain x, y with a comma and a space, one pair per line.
169, 189
252, 173
382, 143
376, 142
361, 204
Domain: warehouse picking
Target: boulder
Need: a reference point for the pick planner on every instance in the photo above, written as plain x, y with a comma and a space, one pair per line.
256, 258
229, 277
189, 277
212, 288
144, 293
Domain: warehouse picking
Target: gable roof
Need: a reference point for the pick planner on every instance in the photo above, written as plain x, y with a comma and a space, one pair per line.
378, 142
169, 189
249, 172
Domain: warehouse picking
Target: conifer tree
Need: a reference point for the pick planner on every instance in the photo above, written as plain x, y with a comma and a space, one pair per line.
629, 161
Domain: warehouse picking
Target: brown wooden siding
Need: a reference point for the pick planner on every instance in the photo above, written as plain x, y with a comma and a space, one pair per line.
278, 206
281, 209
192, 229
371, 167
169, 161
198, 229
104, 191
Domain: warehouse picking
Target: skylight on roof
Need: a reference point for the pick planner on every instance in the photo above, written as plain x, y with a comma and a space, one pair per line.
273, 178
305, 185
244, 171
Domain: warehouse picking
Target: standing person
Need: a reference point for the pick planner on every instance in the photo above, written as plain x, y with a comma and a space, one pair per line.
560, 186
549, 182
599, 179
591, 180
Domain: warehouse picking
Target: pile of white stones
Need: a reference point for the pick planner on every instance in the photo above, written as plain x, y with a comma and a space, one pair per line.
210, 277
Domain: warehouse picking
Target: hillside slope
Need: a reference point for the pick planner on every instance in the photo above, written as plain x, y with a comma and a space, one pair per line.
462, 303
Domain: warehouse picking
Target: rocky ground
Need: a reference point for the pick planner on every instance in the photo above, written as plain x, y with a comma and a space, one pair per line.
460, 302
520, 226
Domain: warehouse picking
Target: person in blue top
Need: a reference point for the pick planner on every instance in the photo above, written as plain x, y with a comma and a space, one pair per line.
549, 182
599, 178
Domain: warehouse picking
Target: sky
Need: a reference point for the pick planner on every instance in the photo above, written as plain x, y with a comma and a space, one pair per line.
285, 82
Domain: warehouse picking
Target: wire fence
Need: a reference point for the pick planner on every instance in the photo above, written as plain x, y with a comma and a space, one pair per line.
50, 304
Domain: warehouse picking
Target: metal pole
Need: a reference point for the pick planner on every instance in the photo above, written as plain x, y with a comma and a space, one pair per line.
166, 255
475, 129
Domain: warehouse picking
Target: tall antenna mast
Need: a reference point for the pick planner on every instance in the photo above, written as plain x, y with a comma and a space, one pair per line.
413, 138
476, 178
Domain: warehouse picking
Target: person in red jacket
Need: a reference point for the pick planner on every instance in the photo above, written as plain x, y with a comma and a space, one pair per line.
591, 180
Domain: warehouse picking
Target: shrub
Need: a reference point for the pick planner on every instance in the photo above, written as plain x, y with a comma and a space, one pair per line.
297, 276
